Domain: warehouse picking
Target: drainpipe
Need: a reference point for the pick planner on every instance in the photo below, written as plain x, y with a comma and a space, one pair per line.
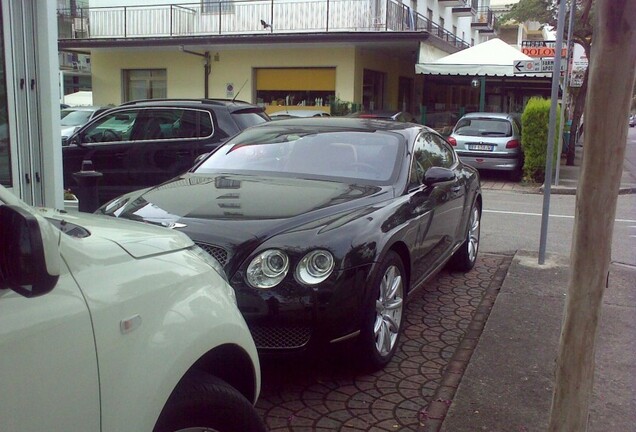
207, 68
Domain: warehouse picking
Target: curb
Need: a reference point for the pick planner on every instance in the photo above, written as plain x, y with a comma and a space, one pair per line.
433, 415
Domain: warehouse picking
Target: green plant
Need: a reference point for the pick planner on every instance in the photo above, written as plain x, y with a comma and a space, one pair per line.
534, 138
342, 108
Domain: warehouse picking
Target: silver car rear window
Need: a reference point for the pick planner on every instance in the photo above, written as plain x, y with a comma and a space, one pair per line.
483, 127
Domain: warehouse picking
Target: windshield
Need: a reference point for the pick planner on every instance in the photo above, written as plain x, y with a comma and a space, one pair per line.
362, 155
75, 118
483, 127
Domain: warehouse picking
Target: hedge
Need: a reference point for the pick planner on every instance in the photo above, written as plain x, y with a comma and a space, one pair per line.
534, 138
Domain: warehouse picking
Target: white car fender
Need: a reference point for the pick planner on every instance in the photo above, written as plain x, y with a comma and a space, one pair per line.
150, 328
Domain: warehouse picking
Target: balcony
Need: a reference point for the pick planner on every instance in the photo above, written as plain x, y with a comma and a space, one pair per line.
246, 17
484, 21
466, 8
452, 3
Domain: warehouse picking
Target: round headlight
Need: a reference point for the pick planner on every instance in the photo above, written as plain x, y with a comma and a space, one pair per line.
315, 267
267, 269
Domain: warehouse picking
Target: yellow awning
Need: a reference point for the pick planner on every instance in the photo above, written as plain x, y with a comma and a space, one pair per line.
296, 79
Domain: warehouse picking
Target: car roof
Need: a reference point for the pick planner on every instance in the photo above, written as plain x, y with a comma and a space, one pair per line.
230, 104
84, 108
347, 123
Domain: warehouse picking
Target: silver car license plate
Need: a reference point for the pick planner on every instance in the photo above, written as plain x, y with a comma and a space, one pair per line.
481, 147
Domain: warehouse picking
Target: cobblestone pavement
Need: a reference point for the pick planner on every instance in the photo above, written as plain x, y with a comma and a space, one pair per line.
327, 394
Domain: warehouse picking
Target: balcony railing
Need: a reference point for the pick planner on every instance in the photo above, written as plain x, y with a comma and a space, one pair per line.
236, 17
485, 19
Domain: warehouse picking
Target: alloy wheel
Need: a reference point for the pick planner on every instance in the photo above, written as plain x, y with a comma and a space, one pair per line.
388, 308
473, 234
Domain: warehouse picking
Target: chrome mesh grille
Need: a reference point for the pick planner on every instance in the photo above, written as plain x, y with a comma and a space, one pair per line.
280, 337
217, 252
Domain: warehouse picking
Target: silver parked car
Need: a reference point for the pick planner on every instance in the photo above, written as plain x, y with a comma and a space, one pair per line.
490, 141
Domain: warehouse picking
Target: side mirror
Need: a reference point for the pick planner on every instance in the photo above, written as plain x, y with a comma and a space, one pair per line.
29, 256
435, 175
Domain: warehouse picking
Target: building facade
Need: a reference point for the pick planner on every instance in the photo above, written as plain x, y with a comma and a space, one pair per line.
283, 54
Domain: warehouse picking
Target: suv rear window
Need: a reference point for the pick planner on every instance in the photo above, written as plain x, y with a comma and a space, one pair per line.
483, 127
249, 117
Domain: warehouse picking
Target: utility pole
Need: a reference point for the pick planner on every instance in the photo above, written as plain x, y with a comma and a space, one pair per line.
547, 183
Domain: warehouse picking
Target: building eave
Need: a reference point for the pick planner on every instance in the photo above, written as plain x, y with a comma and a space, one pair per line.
350, 38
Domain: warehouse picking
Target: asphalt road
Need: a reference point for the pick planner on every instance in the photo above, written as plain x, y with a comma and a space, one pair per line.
512, 221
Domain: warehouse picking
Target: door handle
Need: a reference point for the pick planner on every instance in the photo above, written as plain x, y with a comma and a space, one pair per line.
21, 83
456, 189
27, 177
32, 83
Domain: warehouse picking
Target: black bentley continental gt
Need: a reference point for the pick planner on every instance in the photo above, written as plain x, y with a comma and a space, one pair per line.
324, 226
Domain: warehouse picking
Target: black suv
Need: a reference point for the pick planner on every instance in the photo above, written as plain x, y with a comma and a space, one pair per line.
144, 143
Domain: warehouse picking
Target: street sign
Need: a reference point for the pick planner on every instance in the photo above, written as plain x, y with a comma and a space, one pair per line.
527, 66
547, 65
543, 65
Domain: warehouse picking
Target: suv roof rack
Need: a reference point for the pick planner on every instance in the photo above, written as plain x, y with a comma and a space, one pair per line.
202, 101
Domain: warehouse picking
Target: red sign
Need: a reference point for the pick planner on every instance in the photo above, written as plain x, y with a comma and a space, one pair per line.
542, 51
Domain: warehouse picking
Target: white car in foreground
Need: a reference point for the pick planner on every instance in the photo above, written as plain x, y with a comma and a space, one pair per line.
109, 325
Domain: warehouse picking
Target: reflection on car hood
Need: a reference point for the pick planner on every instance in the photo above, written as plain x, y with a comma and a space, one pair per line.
240, 207
138, 240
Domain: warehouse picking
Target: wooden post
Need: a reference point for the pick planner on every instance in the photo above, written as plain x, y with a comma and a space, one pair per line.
612, 72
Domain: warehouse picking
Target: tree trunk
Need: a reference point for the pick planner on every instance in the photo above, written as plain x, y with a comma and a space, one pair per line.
612, 71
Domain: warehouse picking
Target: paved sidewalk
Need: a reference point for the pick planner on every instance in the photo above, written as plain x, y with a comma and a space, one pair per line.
507, 385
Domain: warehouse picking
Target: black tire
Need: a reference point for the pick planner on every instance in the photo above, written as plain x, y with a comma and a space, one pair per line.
465, 257
383, 315
204, 401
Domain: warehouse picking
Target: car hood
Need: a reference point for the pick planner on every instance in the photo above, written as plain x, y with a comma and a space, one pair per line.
138, 240
229, 210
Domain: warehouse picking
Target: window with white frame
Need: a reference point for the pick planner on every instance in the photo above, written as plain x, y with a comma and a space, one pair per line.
144, 84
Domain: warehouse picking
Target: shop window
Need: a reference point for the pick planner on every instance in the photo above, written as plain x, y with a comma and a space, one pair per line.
144, 84
295, 86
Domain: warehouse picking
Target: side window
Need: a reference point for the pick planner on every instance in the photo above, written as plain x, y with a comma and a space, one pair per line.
192, 124
154, 124
167, 123
419, 164
429, 151
440, 152
115, 126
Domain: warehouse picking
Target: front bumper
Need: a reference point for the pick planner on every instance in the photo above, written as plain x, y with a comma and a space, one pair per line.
292, 317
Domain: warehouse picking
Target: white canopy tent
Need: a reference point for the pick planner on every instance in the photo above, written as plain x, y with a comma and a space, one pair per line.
491, 58
80, 98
